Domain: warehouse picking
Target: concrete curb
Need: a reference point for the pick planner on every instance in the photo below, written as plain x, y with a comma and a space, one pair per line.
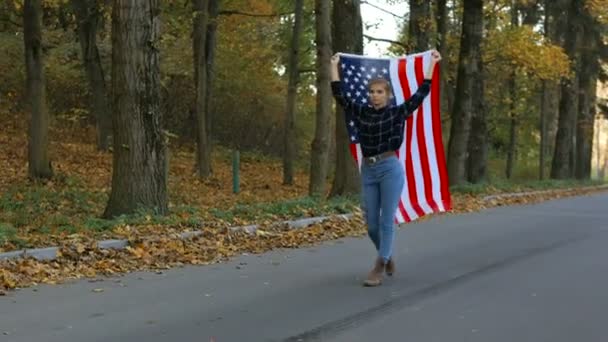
50, 253
528, 193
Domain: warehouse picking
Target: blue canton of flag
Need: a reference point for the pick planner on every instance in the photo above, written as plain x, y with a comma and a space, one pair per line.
357, 72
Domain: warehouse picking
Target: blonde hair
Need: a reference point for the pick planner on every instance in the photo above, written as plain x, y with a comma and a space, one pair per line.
383, 82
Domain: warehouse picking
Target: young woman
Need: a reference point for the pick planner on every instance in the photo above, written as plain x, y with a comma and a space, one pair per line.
380, 129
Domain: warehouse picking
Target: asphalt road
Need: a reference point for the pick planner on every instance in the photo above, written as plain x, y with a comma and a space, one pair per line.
528, 273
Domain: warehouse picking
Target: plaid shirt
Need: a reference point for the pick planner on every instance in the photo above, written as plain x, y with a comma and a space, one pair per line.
381, 130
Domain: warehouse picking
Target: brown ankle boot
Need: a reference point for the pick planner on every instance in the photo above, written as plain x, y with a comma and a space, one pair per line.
390, 267
374, 278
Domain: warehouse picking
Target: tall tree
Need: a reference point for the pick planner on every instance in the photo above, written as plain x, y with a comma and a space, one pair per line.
561, 166
420, 25
211, 44
589, 73
289, 132
320, 144
39, 164
87, 16
441, 18
139, 177
477, 155
467, 88
347, 37
511, 152
199, 46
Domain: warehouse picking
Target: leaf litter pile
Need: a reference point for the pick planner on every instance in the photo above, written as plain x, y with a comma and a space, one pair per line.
64, 212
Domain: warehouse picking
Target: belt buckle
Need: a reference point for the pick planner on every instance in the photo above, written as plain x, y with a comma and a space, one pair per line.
373, 159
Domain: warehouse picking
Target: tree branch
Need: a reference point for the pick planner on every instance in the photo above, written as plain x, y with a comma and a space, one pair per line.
386, 41
382, 9
248, 14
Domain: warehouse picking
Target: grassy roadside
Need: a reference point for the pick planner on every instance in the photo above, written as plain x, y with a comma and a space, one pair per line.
34, 215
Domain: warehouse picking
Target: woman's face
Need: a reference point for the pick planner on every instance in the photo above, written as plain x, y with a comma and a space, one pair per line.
378, 95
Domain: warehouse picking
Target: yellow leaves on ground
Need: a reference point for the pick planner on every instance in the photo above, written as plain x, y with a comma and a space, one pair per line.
160, 252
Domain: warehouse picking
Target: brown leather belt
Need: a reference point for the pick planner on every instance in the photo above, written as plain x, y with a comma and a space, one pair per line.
374, 159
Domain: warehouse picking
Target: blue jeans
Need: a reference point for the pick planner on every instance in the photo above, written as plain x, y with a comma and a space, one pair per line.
382, 184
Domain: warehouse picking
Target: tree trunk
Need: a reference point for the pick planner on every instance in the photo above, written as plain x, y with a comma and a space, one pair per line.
199, 44
587, 101
320, 144
478, 141
554, 26
512, 152
548, 89
289, 133
420, 25
585, 125
139, 178
469, 73
512, 109
87, 18
211, 42
561, 164
441, 18
347, 37
39, 164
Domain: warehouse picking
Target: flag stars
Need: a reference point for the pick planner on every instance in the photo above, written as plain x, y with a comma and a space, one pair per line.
349, 73
384, 71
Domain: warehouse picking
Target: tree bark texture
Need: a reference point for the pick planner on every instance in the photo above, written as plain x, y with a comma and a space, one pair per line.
289, 133
87, 17
469, 72
199, 44
478, 140
320, 144
512, 151
564, 140
347, 37
441, 18
211, 42
39, 163
587, 99
139, 177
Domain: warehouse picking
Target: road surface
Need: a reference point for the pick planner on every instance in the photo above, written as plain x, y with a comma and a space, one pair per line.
526, 273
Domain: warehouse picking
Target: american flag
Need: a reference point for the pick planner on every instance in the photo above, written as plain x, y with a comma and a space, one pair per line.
426, 187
